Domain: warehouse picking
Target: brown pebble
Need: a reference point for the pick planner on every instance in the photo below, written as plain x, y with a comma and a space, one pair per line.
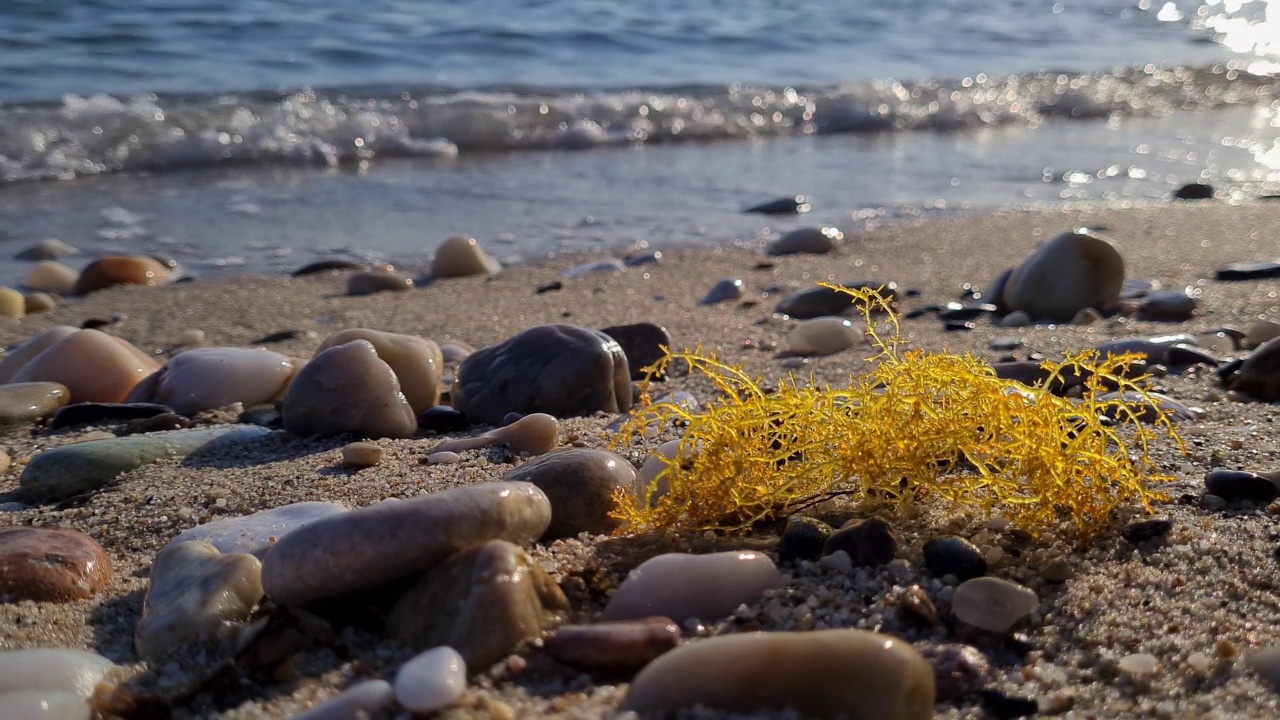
361, 455
119, 270
51, 565
613, 646
4, 461
1057, 570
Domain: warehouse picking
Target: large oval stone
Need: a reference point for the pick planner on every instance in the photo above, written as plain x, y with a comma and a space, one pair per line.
17, 358
613, 646
347, 388
807, 240
94, 366
398, 538
821, 301
76, 672
51, 565
992, 604
417, 362
46, 249
461, 256
208, 378
51, 277
257, 533
1073, 271
580, 483
24, 402
682, 586
561, 370
642, 343
481, 602
120, 270
851, 674
1259, 375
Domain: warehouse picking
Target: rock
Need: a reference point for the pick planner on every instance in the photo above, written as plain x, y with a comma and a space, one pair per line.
417, 362
1237, 485
43, 705
821, 301
1261, 270
1259, 376
1057, 570
347, 389
395, 539
548, 287
1138, 664
26, 402
653, 257
793, 205
481, 602
992, 604
1168, 306
953, 555
803, 539
580, 483
12, 304
965, 310
561, 370
577, 272
198, 597
1017, 318
681, 586
4, 461
442, 419
120, 270
1154, 349
1137, 288
368, 283
822, 336
51, 277
535, 434
642, 343
214, 377
47, 249
361, 455
809, 241
432, 680
84, 467
320, 266
1266, 663
958, 670
1002, 706
869, 543
1071, 272
1260, 332
74, 672
462, 256
1194, 191
366, 699
94, 366
1145, 409
613, 647
257, 533
38, 302
1181, 355
1149, 529
820, 674
724, 290
443, 457
97, 413
51, 565
14, 360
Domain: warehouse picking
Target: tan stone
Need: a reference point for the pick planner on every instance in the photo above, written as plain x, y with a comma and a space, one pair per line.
12, 304
15, 359
1073, 271
361, 455
462, 256
23, 402
347, 388
94, 366
38, 302
120, 270
417, 362
51, 277
208, 378
51, 565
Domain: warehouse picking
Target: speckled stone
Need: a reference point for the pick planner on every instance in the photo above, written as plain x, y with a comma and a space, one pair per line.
803, 539
613, 647
26, 402
51, 565
580, 483
953, 555
869, 543
461, 256
682, 586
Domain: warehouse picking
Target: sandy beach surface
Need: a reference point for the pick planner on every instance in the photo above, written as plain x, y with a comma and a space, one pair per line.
1207, 589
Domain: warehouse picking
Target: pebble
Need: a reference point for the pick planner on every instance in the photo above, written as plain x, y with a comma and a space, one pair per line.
1003, 706
821, 301
1266, 663
47, 249
257, 533
198, 597
442, 419
320, 266
1259, 375
723, 291
1146, 409
792, 205
25, 402
825, 674
209, 378
119, 270
94, 366
369, 283
39, 302
12, 304
51, 277
1260, 332
43, 705
869, 543
460, 257
1071, 272
1057, 570
4, 461
365, 699
1168, 305
361, 455
992, 604
51, 565
642, 343
1183, 355
837, 561
443, 458
482, 602
1140, 531
682, 586
366, 547
561, 370
1017, 318
1261, 270
84, 467
958, 670
1138, 664
1154, 349
417, 362
535, 434
803, 539
965, 310
612, 265
613, 647
347, 389
75, 672
581, 484
652, 257
822, 336
953, 555
97, 413
809, 240
431, 681
1213, 503
1194, 191
1237, 485
1137, 288
1087, 316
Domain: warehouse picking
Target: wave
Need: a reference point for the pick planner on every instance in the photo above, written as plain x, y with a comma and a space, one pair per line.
86, 136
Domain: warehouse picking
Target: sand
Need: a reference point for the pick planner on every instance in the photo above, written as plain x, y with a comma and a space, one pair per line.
1209, 588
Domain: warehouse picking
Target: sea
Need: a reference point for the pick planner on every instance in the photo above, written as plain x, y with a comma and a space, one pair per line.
254, 136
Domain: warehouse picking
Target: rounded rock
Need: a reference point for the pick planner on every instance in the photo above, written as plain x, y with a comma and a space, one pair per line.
461, 256
809, 240
1236, 485
47, 249
868, 543
368, 283
581, 484
803, 539
361, 455
51, 277
38, 302
94, 366
682, 586
642, 343
442, 419
24, 402
1168, 305
823, 301
1073, 271
953, 555
417, 362
1259, 375
1148, 529
723, 291
51, 565
613, 647
992, 604
347, 388
209, 378
822, 336
365, 699
120, 270
12, 304
1260, 332
75, 672
432, 680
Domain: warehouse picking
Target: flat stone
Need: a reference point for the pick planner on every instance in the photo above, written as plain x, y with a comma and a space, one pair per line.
361, 455
992, 604
1146, 409
482, 602
332, 265
1168, 306
369, 283
820, 674
1261, 270
869, 543
395, 539
803, 539
90, 413
1182, 355
51, 277
417, 362
965, 310
1194, 191
1154, 349
94, 366
1149, 529
365, 699
75, 672
1259, 375
198, 597
577, 272
120, 270
613, 647
461, 257
51, 565
1137, 288
682, 586
809, 241
47, 249
953, 555
580, 483
27, 402
257, 533
724, 290
84, 467
209, 378
561, 370
347, 389
1237, 485
1071, 272
792, 205
642, 343
821, 301
431, 681
822, 336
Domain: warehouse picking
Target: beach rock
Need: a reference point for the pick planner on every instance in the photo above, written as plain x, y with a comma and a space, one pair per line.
642, 343
613, 647
681, 586
347, 389
820, 674
198, 597
51, 277
97, 413
366, 699
417, 362
320, 266
214, 377
1260, 332
14, 360
654, 466
432, 680
965, 310
368, 283
1237, 485
535, 434
38, 302
12, 304
577, 272
94, 366
51, 565
809, 241
822, 336
26, 402
43, 705
1017, 318
1168, 306
992, 604
1259, 376
120, 270
1182, 355
361, 455
821, 301
394, 539
869, 543
1266, 663
1146, 409
1261, 270
443, 457
953, 555
482, 601
803, 539
462, 256
47, 249
1140, 531
1071, 272
84, 467
958, 670
442, 419
75, 672
1137, 288
792, 205
1154, 349
580, 483
257, 533
1194, 191
724, 290
561, 370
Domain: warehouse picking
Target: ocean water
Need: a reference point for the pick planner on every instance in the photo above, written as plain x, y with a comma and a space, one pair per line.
255, 135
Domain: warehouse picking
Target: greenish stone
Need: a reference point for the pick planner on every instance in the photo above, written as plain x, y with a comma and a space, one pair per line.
27, 402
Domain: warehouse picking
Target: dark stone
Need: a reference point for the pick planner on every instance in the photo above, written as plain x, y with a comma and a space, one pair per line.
959, 670
1249, 270
953, 555
548, 287
1008, 707
278, 337
1259, 374
725, 289
958, 326
94, 324
1227, 371
1135, 288
803, 539
442, 419
995, 293
869, 543
821, 301
652, 257
1149, 529
328, 265
782, 206
917, 313
965, 310
1235, 485
561, 370
1194, 191
159, 423
613, 647
642, 343
1181, 355
90, 413
581, 485
509, 418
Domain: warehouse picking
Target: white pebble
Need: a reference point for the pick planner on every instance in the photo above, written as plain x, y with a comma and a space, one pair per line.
443, 457
1138, 664
367, 698
432, 680
992, 604
1198, 661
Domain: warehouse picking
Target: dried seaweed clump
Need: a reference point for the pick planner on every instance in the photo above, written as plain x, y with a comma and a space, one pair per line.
912, 426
